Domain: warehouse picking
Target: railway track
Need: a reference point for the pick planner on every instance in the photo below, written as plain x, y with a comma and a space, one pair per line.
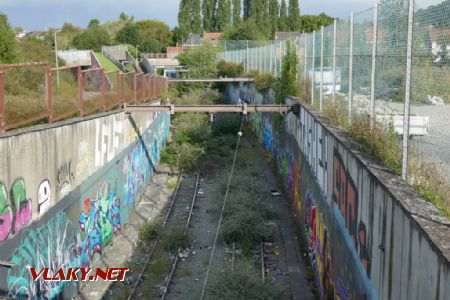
177, 218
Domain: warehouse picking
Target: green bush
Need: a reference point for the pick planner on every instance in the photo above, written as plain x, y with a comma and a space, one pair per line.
244, 282
227, 69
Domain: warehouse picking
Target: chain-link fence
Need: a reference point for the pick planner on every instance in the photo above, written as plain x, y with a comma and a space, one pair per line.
390, 63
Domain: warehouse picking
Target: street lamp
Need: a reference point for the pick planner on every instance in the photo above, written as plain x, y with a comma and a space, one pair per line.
56, 58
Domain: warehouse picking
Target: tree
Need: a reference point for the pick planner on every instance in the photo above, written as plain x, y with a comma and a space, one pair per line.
154, 29
223, 15
128, 34
200, 61
311, 23
184, 21
274, 11
248, 30
8, 46
283, 21
196, 25
294, 20
150, 45
93, 23
208, 10
237, 13
289, 71
92, 39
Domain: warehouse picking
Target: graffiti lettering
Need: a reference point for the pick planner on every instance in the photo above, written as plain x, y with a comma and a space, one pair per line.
44, 195
64, 178
107, 141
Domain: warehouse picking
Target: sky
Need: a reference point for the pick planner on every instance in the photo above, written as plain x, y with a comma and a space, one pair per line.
41, 14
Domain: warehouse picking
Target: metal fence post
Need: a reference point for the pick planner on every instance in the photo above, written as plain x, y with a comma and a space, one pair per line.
135, 87
2, 102
350, 71
119, 96
407, 90
103, 89
321, 69
246, 59
374, 64
313, 66
334, 59
306, 60
259, 60
48, 83
80, 90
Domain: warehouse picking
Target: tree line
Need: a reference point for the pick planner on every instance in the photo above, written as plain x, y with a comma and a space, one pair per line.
245, 19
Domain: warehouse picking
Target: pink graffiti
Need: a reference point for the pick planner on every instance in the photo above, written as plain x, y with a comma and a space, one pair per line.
6, 219
23, 215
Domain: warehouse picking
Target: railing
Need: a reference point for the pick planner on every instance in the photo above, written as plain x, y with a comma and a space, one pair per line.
33, 93
390, 62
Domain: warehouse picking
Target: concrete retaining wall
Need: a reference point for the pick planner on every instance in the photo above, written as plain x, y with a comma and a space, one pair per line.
369, 234
67, 189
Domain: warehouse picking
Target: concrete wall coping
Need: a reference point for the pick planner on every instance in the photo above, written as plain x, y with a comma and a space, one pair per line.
427, 217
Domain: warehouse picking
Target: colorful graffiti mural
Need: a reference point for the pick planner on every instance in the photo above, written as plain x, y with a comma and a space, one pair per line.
17, 214
99, 220
337, 237
51, 245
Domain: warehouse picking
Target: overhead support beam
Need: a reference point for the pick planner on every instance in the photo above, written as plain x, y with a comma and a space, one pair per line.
239, 108
206, 80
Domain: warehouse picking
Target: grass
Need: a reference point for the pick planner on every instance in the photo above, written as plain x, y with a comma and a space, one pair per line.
148, 232
244, 282
382, 143
106, 63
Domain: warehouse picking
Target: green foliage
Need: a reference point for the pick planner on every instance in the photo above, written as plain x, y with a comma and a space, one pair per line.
151, 30
92, 39
149, 231
283, 21
237, 13
150, 45
294, 20
274, 9
33, 49
247, 30
129, 34
226, 69
311, 23
244, 282
263, 81
8, 46
289, 72
184, 19
223, 15
173, 240
196, 23
200, 61
208, 9
93, 23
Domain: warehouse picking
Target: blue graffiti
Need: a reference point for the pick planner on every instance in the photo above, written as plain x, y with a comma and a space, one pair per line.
53, 245
99, 220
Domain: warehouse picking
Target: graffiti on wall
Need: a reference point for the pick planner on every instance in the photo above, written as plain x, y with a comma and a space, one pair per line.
15, 209
99, 221
345, 197
64, 178
137, 170
52, 245
44, 196
325, 198
107, 138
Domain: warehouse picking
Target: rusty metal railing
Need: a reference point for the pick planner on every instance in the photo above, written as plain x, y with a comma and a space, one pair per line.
32, 93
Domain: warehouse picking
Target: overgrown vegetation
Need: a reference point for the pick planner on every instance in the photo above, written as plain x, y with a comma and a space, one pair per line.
289, 71
227, 69
242, 283
383, 143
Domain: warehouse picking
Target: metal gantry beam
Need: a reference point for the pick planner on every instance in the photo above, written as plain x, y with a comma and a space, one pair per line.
238, 108
242, 79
